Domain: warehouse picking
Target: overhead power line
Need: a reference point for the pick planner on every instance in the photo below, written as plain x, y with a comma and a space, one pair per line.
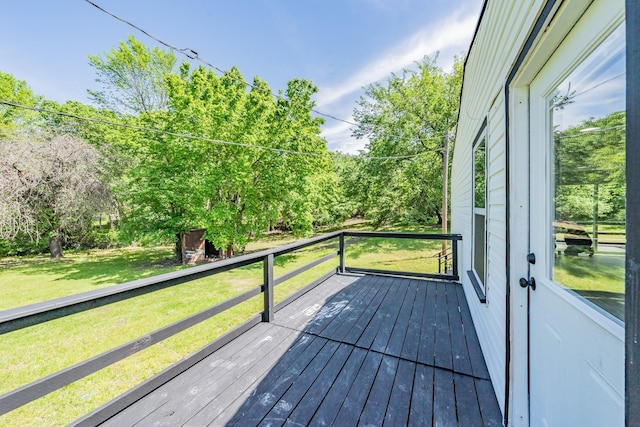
189, 136
160, 131
193, 55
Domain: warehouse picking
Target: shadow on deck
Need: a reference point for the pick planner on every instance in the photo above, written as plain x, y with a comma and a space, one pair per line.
356, 350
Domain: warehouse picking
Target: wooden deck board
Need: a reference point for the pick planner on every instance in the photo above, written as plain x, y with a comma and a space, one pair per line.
427, 344
303, 413
206, 387
290, 400
421, 413
357, 397
443, 356
444, 399
412, 340
378, 401
401, 324
330, 406
224, 359
264, 393
467, 406
356, 350
257, 402
491, 415
355, 332
397, 413
341, 320
459, 351
390, 318
476, 358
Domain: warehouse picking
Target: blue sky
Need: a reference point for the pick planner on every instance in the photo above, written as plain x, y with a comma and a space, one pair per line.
341, 46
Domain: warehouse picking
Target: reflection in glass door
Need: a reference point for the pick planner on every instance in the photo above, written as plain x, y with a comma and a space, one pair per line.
588, 133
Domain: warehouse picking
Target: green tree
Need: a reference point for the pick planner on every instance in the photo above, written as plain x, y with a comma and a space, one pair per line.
235, 191
353, 182
18, 92
132, 77
587, 155
408, 116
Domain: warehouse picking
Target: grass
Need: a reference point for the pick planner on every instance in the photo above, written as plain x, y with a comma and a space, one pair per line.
595, 273
598, 278
38, 278
60, 343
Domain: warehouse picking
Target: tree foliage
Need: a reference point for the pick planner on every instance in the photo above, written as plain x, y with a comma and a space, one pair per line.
234, 191
132, 77
588, 154
199, 150
408, 115
18, 92
50, 189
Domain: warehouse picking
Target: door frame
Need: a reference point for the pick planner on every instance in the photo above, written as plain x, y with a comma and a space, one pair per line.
632, 291
533, 56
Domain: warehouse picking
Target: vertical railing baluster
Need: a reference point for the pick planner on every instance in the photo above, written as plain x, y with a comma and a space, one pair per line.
454, 246
267, 314
341, 253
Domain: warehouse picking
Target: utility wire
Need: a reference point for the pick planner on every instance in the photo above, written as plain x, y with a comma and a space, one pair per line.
160, 131
192, 137
193, 55
598, 85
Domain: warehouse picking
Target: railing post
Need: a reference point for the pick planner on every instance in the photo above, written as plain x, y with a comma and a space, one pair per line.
267, 314
454, 247
341, 253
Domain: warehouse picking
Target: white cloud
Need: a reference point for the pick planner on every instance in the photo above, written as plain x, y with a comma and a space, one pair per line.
455, 32
451, 36
339, 138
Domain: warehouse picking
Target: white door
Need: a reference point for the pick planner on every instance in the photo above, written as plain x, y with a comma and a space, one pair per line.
576, 329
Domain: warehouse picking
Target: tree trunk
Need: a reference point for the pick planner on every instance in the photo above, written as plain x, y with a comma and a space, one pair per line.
178, 248
55, 246
230, 250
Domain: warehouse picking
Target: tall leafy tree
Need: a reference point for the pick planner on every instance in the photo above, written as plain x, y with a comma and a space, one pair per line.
235, 191
132, 77
587, 155
408, 115
18, 92
352, 181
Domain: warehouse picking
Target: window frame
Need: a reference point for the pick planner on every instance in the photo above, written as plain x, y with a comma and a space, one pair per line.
479, 283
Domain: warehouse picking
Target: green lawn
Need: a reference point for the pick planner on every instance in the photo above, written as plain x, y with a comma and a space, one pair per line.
37, 351
595, 273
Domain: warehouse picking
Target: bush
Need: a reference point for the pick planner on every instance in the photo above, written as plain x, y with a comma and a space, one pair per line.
23, 245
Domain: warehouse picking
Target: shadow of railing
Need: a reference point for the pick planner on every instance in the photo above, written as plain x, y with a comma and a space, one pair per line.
378, 351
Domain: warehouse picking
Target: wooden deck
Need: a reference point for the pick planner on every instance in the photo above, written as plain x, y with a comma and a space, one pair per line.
357, 350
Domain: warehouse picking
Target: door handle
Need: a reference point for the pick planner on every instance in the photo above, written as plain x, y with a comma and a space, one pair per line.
524, 283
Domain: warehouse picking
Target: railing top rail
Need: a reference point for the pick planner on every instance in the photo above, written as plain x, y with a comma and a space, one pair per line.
174, 277
403, 235
168, 279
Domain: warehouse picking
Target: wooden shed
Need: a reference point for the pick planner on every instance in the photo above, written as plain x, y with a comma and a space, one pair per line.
195, 248
549, 112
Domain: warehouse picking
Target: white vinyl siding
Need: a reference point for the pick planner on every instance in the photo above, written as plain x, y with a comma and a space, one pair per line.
503, 30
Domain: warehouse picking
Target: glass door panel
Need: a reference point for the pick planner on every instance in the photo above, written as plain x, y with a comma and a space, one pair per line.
588, 134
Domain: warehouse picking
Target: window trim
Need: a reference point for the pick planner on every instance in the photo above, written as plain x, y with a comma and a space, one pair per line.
479, 285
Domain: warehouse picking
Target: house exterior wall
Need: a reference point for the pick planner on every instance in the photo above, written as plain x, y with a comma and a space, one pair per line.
500, 36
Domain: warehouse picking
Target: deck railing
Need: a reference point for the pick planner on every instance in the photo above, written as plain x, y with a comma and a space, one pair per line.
22, 317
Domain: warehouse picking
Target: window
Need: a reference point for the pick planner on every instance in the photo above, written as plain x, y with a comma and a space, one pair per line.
587, 227
479, 229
